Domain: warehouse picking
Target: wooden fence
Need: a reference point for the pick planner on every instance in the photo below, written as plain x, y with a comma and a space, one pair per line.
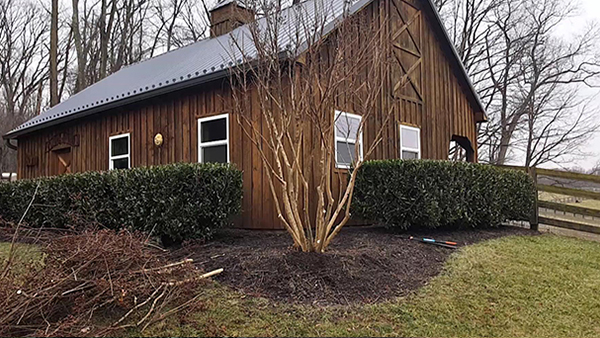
552, 209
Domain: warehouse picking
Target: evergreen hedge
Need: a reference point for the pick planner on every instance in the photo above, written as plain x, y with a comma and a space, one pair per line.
441, 194
176, 201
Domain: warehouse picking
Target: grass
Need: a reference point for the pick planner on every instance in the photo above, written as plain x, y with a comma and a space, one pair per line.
544, 286
25, 257
538, 286
586, 203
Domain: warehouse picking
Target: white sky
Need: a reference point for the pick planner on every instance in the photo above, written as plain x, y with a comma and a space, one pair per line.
589, 13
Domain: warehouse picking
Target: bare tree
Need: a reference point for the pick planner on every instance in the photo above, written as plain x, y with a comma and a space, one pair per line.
551, 71
506, 46
130, 42
558, 125
504, 51
84, 37
167, 14
54, 54
105, 32
195, 24
296, 89
23, 66
489, 41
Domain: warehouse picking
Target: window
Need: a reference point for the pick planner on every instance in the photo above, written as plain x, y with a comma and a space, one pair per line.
213, 139
347, 138
410, 143
119, 151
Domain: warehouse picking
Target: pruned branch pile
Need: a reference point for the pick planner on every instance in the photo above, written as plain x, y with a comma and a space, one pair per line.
86, 277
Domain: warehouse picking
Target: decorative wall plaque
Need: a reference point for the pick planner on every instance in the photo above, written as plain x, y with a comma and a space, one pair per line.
158, 140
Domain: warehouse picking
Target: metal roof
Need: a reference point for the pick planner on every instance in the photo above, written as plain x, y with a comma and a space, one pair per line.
197, 63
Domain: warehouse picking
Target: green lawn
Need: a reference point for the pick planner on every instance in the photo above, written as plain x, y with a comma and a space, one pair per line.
544, 286
25, 257
540, 286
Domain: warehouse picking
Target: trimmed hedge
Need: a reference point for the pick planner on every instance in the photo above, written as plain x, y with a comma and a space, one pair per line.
176, 201
441, 194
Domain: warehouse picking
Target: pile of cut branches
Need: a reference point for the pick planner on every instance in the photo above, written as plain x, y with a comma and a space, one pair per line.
94, 284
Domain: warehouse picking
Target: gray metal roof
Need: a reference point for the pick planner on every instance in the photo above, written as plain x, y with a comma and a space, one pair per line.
197, 63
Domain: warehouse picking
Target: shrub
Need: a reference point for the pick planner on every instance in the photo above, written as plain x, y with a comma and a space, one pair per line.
441, 194
178, 201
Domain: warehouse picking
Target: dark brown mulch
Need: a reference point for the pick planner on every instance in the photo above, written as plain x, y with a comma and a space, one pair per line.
363, 264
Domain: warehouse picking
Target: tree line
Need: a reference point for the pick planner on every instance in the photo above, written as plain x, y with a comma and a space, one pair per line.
529, 77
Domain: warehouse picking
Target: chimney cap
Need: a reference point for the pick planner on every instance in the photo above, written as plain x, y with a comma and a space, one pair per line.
223, 3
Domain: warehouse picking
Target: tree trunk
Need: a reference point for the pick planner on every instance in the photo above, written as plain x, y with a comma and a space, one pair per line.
80, 82
103, 40
54, 99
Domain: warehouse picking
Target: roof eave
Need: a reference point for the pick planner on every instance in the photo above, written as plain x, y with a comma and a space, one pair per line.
115, 104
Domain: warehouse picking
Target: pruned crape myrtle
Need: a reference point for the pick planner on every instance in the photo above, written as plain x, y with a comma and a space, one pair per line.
312, 84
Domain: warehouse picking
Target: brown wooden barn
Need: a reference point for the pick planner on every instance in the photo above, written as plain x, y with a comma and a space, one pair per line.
176, 106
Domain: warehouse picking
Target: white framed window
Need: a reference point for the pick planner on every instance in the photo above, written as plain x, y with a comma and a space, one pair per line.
410, 143
119, 151
213, 139
347, 138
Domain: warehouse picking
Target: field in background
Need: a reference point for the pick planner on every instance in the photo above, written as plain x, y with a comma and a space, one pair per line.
570, 200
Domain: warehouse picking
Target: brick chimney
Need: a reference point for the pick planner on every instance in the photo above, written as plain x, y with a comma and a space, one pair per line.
227, 15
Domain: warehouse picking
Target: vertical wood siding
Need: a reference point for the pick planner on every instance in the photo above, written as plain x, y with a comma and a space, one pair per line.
434, 100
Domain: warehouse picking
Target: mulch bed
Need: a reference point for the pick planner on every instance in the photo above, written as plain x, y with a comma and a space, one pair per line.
363, 264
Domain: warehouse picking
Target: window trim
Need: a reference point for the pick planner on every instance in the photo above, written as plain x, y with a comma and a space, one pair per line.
112, 158
213, 143
414, 150
337, 138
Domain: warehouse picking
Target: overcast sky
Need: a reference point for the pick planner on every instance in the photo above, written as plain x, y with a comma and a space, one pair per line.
588, 13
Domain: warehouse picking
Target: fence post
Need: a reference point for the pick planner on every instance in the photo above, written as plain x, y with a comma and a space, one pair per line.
535, 215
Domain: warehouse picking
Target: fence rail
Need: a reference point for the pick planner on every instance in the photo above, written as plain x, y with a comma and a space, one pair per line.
569, 191
555, 221
561, 223
569, 208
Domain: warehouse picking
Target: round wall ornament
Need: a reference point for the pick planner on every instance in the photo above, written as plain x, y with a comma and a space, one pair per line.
158, 139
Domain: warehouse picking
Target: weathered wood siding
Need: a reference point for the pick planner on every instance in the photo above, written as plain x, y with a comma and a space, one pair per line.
444, 109
424, 85
432, 97
175, 117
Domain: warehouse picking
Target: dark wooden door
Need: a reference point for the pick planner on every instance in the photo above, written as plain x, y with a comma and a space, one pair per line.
62, 161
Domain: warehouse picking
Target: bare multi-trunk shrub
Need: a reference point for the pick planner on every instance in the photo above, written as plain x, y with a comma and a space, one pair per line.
301, 73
